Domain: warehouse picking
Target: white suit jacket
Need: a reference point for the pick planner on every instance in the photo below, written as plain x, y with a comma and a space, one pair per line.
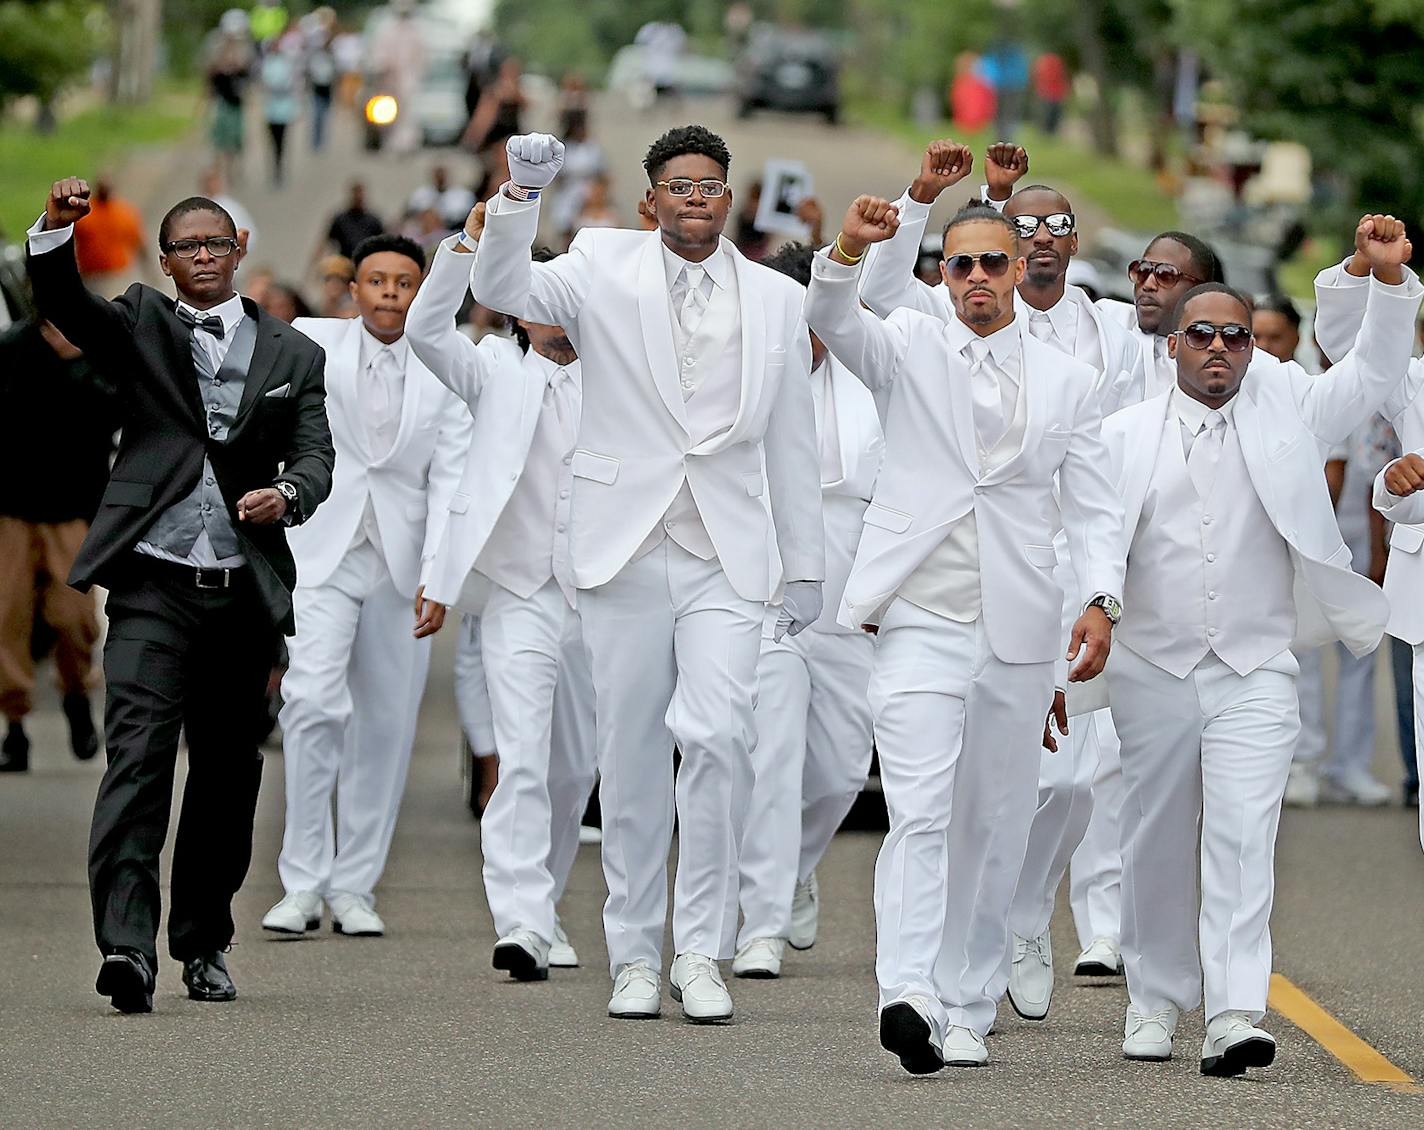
1339, 313
610, 294
930, 475
409, 487
504, 393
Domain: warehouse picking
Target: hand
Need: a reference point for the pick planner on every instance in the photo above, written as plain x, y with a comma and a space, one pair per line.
1057, 713
474, 226
1405, 476
261, 507
800, 608
1092, 635
68, 203
1382, 242
870, 219
429, 616
809, 213
944, 164
1004, 164
534, 159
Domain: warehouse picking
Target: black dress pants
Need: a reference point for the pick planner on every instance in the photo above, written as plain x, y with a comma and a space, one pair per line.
178, 658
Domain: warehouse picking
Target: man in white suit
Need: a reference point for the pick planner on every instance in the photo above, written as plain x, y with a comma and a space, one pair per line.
692, 357
357, 671
1064, 317
504, 554
957, 563
813, 710
1233, 555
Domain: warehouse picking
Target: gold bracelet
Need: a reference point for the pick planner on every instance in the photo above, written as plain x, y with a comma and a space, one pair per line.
850, 259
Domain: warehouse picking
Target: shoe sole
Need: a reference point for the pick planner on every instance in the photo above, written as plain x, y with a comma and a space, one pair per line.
1144, 1057
802, 947
125, 993
1095, 969
1022, 1015
312, 924
1234, 1061
721, 1018
906, 1034
210, 998
756, 974
336, 929
519, 963
635, 1015
563, 964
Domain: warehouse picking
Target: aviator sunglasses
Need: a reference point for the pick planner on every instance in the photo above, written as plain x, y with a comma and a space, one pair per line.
995, 263
1201, 335
1167, 275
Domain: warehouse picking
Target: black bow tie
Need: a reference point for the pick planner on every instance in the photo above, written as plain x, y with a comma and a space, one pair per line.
209, 322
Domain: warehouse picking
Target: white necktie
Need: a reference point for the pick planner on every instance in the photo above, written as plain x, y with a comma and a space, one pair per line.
561, 392
988, 398
381, 400
1206, 453
694, 302
1041, 326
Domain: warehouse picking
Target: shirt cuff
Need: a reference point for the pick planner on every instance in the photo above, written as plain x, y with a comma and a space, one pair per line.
44, 239
910, 208
997, 205
827, 268
504, 205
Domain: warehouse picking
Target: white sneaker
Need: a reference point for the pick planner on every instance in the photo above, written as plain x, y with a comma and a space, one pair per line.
907, 1032
523, 955
562, 954
297, 913
1233, 1044
805, 913
759, 958
1101, 959
1302, 786
1148, 1035
590, 835
1354, 788
697, 983
354, 915
637, 995
964, 1047
1031, 976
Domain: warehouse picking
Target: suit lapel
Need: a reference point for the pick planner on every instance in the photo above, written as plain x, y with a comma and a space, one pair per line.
753, 333
343, 389
264, 357
961, 409
1140, 462
654, 312
185, 374
1246, 418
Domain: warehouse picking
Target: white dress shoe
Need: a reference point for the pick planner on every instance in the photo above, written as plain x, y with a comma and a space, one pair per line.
697, 983
297, 913
1354, 788
1302, 786
907, 1032
1031, 976
636, 993
354, 915
562, 954
760, 958
805, 913
1148, 1035
964, 1047
1101, 959
523, 955
1233, 1044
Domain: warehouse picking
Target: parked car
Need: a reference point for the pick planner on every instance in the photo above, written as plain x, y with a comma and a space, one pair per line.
797, 71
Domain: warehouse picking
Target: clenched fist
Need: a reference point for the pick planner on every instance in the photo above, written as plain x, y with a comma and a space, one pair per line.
68, 202
1004, 165
1385, 247
534, 159
1405, 476
944, 164
870, 219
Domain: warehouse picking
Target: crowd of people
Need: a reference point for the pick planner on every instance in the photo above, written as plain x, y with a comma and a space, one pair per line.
717, 527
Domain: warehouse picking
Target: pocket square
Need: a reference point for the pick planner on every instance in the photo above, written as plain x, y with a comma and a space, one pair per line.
280, 390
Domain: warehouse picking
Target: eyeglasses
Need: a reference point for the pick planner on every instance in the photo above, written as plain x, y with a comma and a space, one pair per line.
218, 246
994, 263
1202, 335
682, 186
1167, 275
1059, 224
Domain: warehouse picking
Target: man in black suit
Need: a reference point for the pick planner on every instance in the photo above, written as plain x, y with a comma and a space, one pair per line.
225, 441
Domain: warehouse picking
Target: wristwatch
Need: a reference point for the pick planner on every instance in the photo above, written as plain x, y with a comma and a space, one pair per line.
1111, 606
288, 491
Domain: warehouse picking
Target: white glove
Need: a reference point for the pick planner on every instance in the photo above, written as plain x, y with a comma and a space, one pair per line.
800, 608
534, 159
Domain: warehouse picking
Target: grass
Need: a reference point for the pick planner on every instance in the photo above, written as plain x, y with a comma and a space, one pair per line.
85, 142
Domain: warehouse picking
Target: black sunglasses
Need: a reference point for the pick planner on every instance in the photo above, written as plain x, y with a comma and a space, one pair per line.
995, 263
1058, 224
1139, 270
1201, 336
218, 246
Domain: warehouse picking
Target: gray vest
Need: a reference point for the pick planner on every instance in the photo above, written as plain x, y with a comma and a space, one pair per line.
177, 528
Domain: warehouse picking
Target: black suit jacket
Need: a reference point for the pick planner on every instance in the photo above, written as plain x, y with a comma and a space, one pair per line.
138, 341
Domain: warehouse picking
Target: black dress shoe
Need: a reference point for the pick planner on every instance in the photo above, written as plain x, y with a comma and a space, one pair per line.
82, 738
207, 978
15, 750
126, 979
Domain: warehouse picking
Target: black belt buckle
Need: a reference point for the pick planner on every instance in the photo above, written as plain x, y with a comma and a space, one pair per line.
212, 578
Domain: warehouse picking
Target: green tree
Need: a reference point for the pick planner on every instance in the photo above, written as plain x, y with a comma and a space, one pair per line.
44, 44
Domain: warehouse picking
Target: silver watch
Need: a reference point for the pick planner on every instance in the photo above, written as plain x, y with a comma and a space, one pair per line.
1111, 606
286, 490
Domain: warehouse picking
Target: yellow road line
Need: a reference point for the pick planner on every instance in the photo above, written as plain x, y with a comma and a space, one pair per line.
1368, 1065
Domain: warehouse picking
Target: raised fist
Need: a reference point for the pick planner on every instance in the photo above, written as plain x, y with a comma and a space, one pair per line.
475, 222
1381, 240
869, 219
534, 159
944, 164
1004, 164
68, 202
1404, 476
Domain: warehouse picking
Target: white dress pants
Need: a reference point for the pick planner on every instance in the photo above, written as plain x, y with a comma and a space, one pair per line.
674, 655
351, 697
1352, 746
471, 691
527, 643
1310, 685
1419, 725
955, 729
1205, 757
1095, 886
812, 756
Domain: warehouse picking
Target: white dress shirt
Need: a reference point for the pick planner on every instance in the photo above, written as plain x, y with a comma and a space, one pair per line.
380, 390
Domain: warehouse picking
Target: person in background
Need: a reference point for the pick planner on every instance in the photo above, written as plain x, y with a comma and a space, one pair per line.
281, 78
336, 273
497, 118
451, 202
583, 160
598, 210
284, 303
350, 227
319, 33
398, 56
50, 485
483, 59
1051, 87
230, 59
109, 239
214, 187
971, 98
573, 106
751, 241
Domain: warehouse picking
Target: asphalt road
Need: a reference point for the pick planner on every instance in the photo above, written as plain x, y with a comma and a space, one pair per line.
416, 1029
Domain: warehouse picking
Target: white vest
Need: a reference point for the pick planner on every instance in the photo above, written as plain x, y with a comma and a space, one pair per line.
1185, 593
